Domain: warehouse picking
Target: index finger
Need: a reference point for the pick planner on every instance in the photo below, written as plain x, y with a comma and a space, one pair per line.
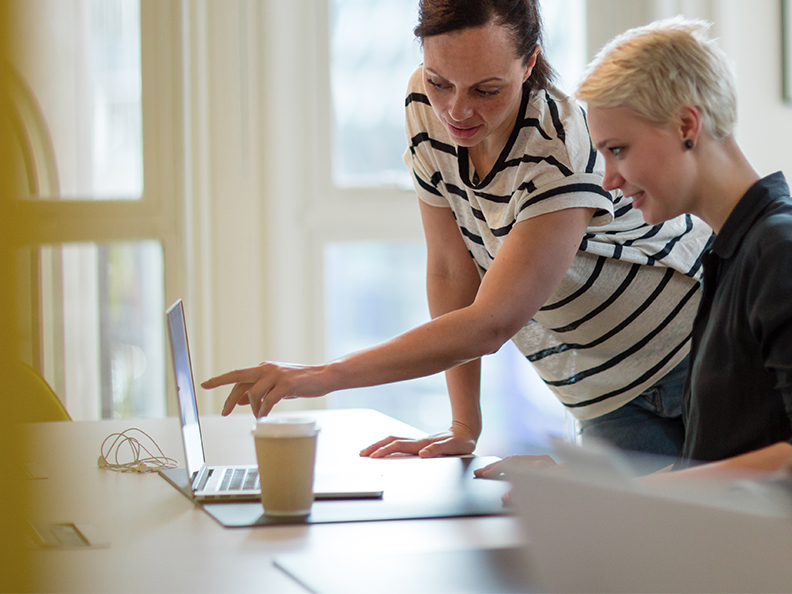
238, 376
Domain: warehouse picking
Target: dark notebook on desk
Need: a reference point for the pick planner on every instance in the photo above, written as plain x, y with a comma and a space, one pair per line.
414, 488
231, 483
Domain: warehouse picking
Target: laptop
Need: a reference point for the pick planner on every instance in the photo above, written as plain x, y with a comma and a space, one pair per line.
236, 483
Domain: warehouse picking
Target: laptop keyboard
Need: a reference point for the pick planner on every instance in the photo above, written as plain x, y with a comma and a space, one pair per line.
235, 479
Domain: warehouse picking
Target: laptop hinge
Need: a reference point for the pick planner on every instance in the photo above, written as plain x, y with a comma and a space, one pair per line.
200, 479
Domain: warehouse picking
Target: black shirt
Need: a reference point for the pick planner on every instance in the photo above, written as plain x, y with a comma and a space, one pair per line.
739, 392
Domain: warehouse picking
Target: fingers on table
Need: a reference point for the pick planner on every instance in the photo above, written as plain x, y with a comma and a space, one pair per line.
393, 445
450, 446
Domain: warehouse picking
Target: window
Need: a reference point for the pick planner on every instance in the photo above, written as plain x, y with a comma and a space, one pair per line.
112, 299
96, 281
373, 54
85, 77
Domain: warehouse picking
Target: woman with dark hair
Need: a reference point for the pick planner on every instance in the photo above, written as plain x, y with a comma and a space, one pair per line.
523, 244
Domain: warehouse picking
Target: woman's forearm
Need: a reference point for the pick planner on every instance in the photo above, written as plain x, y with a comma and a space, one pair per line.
464, 391
768, 459
762, 461
452, 339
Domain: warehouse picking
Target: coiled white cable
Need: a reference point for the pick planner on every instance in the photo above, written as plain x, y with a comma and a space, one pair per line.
110, 459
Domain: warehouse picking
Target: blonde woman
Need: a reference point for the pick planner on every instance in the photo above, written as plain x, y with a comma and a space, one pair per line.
662, 109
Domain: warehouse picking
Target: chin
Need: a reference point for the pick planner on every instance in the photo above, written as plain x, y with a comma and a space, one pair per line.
648, 218
466, 142
654, 218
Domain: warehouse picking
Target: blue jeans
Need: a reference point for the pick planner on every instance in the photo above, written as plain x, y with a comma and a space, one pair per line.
650, 423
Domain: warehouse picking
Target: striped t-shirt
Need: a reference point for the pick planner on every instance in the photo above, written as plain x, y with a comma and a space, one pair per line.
621, 317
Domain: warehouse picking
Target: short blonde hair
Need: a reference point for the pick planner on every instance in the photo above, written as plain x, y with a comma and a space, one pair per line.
656, 69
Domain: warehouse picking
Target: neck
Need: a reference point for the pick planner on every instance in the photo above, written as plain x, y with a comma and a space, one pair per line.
725, 177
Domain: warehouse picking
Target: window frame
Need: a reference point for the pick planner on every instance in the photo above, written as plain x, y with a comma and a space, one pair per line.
155, 216
324, 212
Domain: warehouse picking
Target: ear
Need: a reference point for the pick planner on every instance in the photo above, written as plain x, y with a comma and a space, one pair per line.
529, 66
689, 124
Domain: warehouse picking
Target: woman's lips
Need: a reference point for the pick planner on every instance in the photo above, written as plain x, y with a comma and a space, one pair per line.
638, 199
463, 133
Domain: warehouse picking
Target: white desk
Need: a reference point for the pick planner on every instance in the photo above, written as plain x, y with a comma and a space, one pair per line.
160, 542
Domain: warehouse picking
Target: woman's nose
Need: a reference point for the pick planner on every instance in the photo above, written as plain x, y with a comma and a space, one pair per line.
612, 179
460, 108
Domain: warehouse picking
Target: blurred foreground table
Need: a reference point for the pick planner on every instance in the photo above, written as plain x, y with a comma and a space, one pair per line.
147, 537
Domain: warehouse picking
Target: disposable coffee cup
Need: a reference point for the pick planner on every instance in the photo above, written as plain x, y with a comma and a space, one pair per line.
286, 454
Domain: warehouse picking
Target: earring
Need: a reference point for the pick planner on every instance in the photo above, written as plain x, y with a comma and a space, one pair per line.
689, 144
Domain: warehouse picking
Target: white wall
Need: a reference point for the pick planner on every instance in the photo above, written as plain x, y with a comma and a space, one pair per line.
225, 205
750, 33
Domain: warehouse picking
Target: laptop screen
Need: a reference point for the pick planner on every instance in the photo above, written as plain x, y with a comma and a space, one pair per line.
185, 389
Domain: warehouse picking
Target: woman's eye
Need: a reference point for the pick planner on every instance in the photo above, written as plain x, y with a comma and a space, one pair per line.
615, 150
435, 84
488, 92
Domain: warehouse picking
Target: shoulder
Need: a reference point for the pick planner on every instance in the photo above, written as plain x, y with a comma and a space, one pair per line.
555, 124
766, 212
556, 110
771, 234
425, 133
765, 254
415, 87
419, 117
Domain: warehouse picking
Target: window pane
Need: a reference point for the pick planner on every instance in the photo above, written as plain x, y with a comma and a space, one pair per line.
373, 52
109, 299
565, 38
376, 290
82, 83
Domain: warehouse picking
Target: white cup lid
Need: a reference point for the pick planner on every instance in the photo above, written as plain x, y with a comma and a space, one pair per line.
285, 427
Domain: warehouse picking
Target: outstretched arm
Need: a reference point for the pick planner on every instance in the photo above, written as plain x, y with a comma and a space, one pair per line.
531, 262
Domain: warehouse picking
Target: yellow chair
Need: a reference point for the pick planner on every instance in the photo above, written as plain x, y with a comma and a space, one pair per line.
36, 399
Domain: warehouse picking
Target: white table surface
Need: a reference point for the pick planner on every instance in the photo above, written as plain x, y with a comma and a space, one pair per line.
158, 541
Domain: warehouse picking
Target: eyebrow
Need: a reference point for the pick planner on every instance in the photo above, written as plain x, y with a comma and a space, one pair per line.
599, 146
481, 82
